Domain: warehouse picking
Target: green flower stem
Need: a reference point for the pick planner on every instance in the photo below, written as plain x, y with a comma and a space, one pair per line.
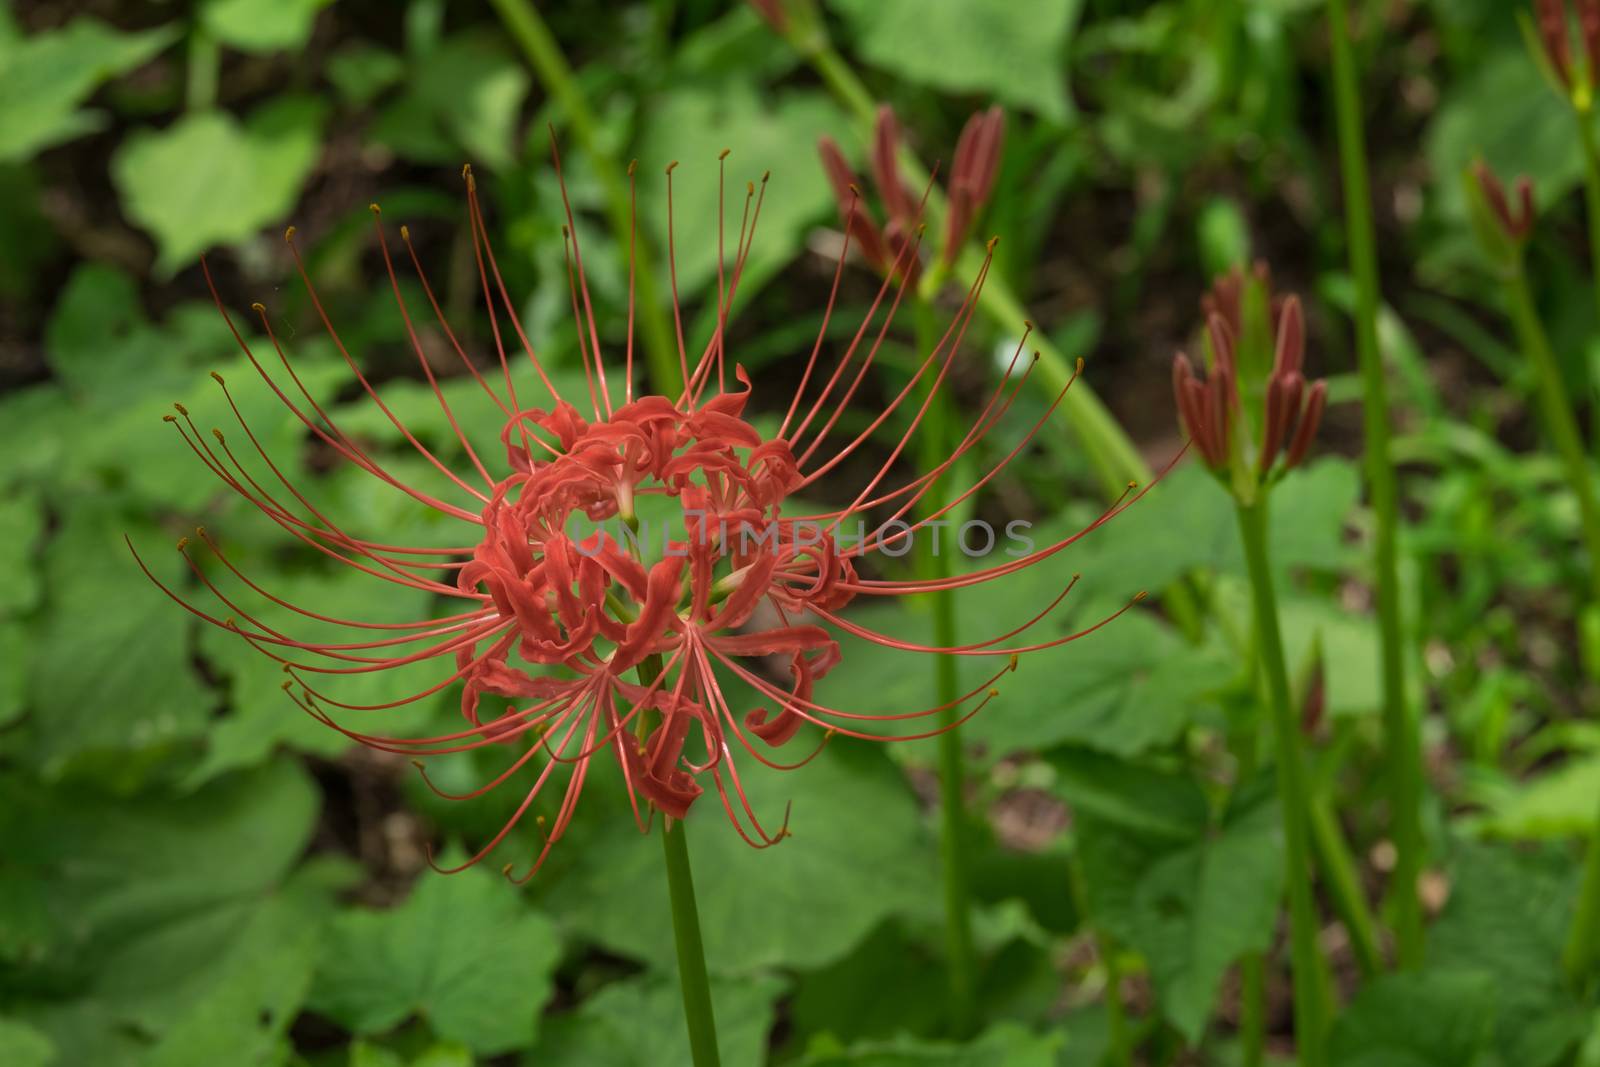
697, 1011
1115, 459
1583, 940
550, 66
1402, 740
936, 440
1310, 982
1591, 192
201, 70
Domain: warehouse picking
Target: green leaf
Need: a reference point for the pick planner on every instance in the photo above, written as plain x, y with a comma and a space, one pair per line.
157, 910
857, 855
258, 985
466, 94
768, 132
261, 25
640, 1020
1191, 907
1003, 1045
1417, 1020
21, 523
23, 1046
260, 716
1017, 52
16, 643
1507, 921
112, 675
208, 179
1557, 803
464, 953
45, 77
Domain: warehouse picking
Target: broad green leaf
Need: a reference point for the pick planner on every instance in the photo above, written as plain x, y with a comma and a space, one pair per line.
890, 984
1556, 803
768, 132
465, 95
1507, 920
1016, 52
1003, 1045
209, 179
463, 953
1130, 795
1431, 1019
151, 907
858, 854
23, 1046
640, 1020
1191, 907
261, 25
361, 71
1145, 548
258, 984
261, 716
111, 678
45, 77
444, 1054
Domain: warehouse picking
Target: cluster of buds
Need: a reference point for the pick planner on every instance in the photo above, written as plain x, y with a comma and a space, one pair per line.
1245, 435
1504, 221
1573, 77
892, 247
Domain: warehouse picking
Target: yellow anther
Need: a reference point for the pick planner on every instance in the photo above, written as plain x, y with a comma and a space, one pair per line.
405, 233
181, 409
288, 234
259, 308
723, 154
217, 378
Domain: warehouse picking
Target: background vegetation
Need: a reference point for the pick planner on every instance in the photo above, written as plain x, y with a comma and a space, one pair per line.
192, 872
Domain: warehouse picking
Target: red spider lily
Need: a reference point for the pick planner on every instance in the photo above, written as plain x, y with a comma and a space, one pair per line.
1211, 410
977, 159
1555, 38
568, 644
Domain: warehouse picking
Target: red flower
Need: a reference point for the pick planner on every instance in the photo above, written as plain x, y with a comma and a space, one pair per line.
570, 642
1283, 419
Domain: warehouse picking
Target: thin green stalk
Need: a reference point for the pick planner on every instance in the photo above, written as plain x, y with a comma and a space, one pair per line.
1310, 988
697, 1011
528, 27
1338, 870
1583, 939
1402, 739
1591, 192
961, 957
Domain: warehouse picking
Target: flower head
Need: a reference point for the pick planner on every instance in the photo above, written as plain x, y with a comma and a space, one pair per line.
1253, 416
977, 159
1504, 225
1552, 39
574, 631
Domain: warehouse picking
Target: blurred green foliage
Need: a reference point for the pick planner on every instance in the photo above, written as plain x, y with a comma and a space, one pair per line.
193, 873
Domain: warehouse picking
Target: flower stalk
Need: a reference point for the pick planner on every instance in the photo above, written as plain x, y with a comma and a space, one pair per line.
1402, 740
1310, 979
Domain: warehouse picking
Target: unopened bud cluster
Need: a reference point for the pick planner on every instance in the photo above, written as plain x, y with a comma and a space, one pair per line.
1250, 419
